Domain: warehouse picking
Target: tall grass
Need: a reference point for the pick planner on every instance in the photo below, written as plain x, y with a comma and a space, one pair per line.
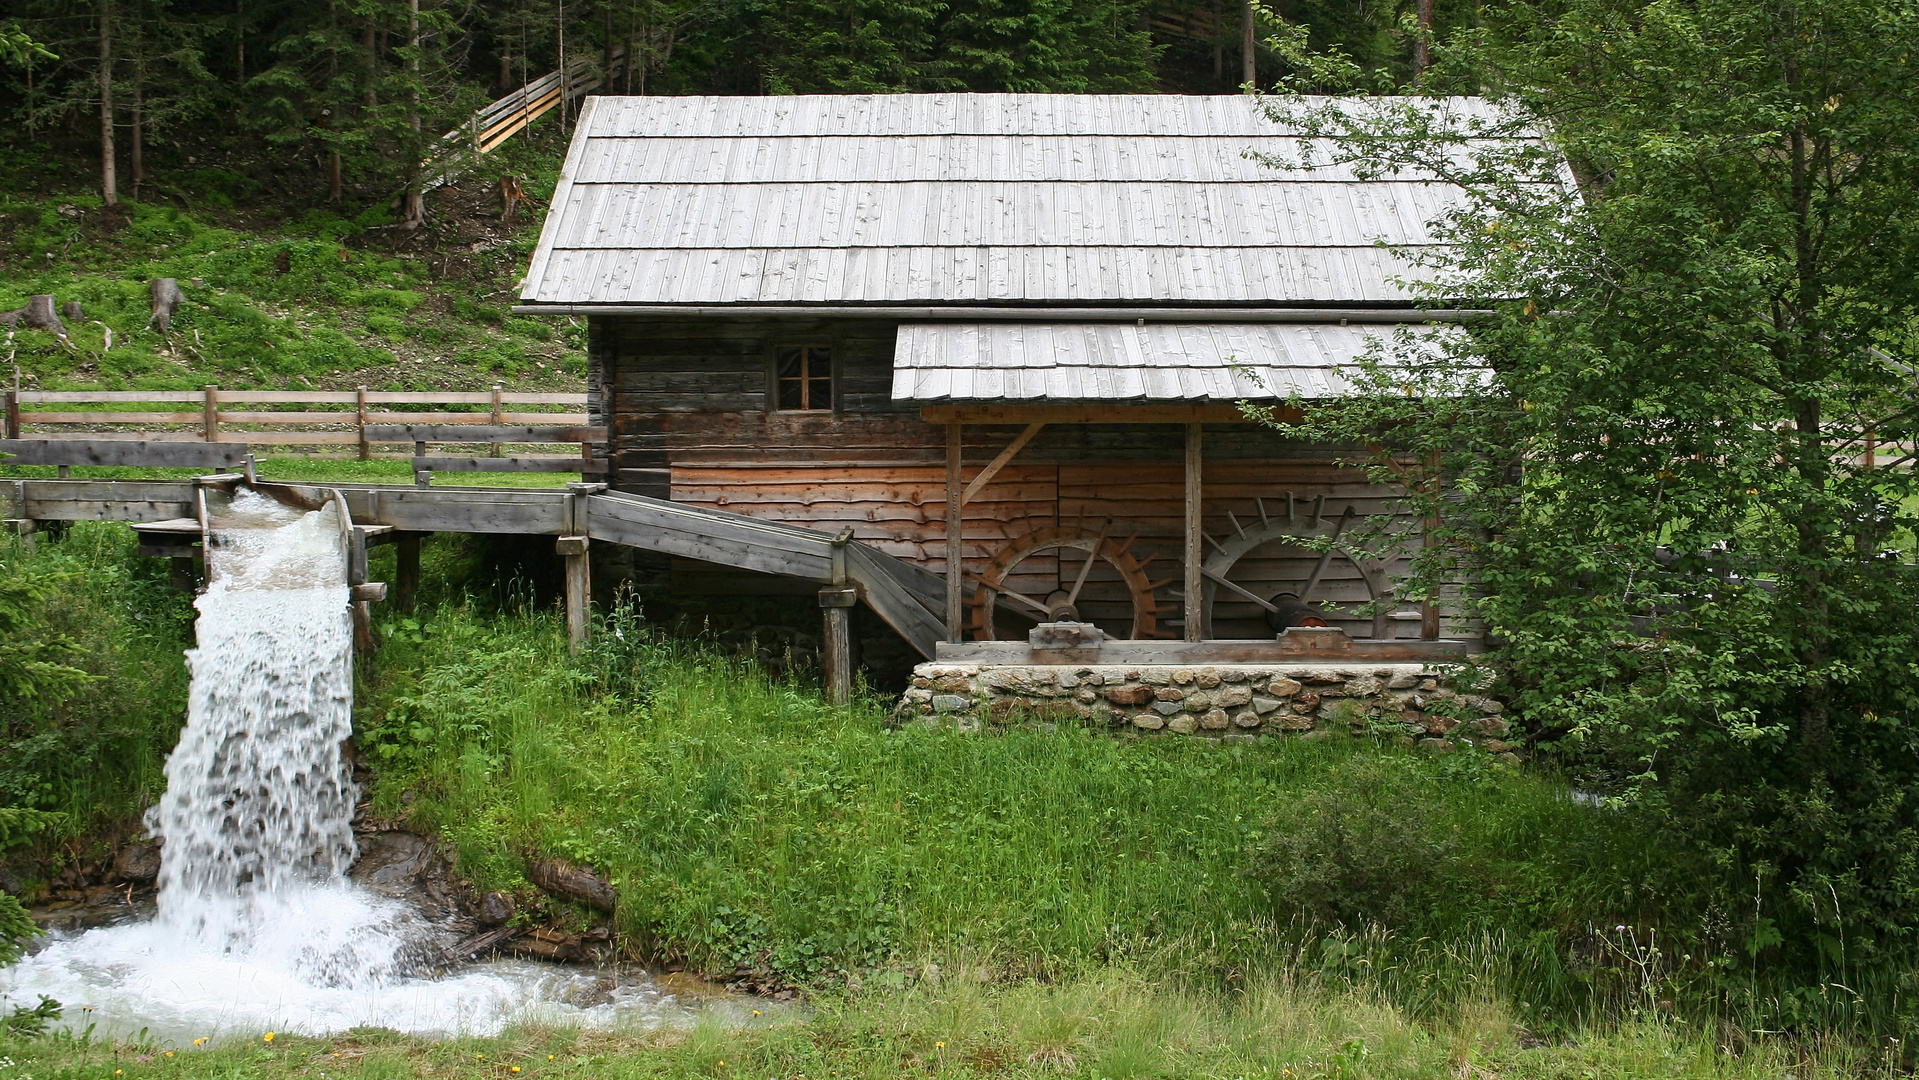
750, 827
94, 754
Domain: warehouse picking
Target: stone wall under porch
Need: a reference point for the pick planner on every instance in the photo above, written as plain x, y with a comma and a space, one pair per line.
1228, 702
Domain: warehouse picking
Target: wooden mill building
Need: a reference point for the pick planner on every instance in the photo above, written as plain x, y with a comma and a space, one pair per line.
1000, 337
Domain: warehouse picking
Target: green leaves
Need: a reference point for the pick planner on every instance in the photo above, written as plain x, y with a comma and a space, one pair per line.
1690, 568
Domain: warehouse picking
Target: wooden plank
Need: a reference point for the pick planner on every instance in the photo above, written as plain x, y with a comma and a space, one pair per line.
453, 509
726, 539
955, 450
180, 526
1193, 587
36, 397
128, 417
144, 453
999, 462
1220, 651
893, 600
547, 463
1082, 414
509, 433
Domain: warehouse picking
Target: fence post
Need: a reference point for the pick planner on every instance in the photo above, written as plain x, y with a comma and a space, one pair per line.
359, 394
497, 418
210, 414
13, 414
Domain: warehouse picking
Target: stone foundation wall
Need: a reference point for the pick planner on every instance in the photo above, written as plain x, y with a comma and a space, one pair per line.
1236, 703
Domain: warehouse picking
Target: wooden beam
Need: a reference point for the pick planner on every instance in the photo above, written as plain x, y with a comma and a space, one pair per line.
1086, 414
453, 433
953, 506
578, 589
1194, 598
407, 571
992, 469
160, 454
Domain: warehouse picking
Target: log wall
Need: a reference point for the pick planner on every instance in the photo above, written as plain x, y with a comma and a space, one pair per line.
687, 406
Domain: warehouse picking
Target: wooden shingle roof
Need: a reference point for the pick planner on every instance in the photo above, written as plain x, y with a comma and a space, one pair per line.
978, 199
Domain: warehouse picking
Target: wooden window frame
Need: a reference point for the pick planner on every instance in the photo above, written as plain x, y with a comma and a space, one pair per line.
832, 350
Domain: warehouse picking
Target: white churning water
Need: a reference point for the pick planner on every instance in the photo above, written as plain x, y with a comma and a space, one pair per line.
257, 926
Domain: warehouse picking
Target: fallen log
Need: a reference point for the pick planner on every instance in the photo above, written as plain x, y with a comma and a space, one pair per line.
166, 296
38, 314
564, 879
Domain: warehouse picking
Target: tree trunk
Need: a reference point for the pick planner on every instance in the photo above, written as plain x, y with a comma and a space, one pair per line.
413, 203
138, 149
166, 295
626, 68
506, 72
606, 48
333, 177
109, 184
561, 8
1422, 45
371, 48
1248, 61
240, 41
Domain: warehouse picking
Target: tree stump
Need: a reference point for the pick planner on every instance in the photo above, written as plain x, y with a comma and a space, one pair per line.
39, 314
166, 296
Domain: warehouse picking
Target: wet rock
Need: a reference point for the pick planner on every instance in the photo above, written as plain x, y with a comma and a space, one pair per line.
406, 867
495, 908
546, 944
573, 882
138, 862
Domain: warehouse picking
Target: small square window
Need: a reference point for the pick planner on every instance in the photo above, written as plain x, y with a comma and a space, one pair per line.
805, 378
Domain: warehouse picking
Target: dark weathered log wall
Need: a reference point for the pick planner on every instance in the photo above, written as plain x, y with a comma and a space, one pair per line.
687, 407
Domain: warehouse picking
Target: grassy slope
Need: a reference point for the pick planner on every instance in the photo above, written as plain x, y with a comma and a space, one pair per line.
357, 304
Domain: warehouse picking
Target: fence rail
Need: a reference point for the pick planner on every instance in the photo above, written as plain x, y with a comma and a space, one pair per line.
148, 427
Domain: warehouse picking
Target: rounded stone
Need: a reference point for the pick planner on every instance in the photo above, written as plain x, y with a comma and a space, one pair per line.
1182, 724
1281, 686
1148, 722
1184, 676
1215, 720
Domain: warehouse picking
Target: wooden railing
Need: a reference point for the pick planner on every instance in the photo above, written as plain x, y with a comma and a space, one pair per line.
221, 428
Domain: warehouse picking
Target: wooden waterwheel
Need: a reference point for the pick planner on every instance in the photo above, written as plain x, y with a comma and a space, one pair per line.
1304, 529
1062, 604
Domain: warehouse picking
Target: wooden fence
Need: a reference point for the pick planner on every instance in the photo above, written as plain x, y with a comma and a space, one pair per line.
221, 428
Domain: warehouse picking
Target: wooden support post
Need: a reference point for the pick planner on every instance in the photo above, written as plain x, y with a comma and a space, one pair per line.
954, 590
836, 631
406, 557
836, 641
1195, 596
356, 570
13, 414
493, 450
210, 414
1429, 608
578, 581
366, 448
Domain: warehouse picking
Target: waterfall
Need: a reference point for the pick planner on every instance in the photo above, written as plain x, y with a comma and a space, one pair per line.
258, 927
259, 798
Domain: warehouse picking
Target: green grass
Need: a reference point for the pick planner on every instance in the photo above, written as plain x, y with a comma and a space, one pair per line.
752, 827
1118, 1023
324, 297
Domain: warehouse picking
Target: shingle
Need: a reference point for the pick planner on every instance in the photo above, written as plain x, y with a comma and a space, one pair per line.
967, 198
1081, 362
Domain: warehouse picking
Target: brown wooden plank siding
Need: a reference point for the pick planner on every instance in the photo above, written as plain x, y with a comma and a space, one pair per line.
687, 405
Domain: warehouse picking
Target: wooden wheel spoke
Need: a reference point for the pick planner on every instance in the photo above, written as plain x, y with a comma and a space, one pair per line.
1080, 582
